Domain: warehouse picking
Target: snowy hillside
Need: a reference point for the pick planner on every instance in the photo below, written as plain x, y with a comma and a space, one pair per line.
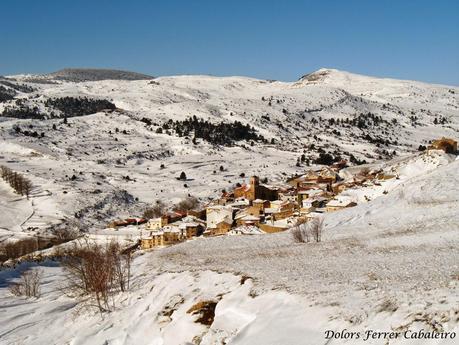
387, 265
115, 162
101, 150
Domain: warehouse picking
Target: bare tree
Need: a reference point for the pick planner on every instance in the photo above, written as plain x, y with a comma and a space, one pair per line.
29, 284
296, 234
66, 232
18, 186
96, 272
303, 231
316, 226
300, 232
155, 211
190, 203
15, 249
121, 265
3, 172
88, 273
17, 181
27, 187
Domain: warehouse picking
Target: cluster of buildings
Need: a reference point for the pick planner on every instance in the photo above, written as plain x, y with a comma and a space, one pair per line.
257, 207
254, 207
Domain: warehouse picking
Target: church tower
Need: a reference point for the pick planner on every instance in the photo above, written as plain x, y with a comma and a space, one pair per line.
254, 188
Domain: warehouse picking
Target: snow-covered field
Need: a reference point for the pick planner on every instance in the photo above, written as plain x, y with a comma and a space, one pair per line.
390, 263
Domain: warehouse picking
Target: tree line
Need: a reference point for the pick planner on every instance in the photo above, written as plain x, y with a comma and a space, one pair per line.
18, 182
6, 94
219, 134
18, 87
79, 106
23, 112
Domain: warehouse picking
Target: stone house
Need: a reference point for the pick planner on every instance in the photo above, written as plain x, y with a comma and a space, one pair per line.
311, 204
218, 213
221, 228
157, 223
191, 226
247, 220
155, 239
339, 204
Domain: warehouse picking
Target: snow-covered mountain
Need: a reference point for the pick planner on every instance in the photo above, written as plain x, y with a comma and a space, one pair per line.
114, 162
110, 147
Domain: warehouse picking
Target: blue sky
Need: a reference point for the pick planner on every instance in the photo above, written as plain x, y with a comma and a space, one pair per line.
264, 39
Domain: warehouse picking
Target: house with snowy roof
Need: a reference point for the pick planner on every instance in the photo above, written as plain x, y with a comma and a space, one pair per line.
191, 226
156, 223
153, 239
279, 210
339, 203
246, 230
247, 220
219, 219
313, 203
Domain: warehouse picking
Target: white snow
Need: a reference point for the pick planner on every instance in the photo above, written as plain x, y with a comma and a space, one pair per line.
388, 262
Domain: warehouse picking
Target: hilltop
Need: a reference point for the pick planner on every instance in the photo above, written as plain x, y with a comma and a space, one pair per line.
94, 74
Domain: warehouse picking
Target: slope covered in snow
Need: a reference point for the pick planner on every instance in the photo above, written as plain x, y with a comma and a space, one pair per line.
390, 264
132, 156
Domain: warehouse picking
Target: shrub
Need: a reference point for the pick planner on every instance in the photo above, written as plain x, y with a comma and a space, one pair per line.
29, 284
300, 232
316, 227
388, 305
364, 171
190, 203
303, 232
155, 211
182, 176
23, 112
219, 134
6, 94
96, 272
18, 248
325, 159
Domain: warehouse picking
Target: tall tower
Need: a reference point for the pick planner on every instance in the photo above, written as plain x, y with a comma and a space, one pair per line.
254, 187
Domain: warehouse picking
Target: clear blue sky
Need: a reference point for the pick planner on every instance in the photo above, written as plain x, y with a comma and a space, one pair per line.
265, 39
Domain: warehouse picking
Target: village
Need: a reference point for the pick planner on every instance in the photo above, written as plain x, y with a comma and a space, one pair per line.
258, 208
